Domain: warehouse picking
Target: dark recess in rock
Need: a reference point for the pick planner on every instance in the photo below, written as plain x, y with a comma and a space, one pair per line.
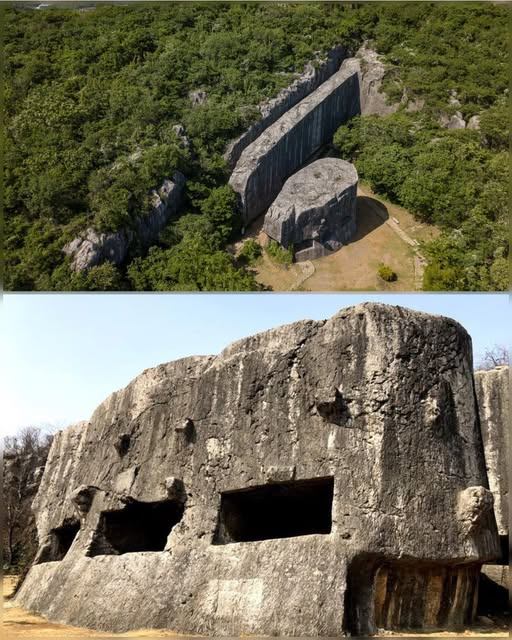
122, 444
277, 510
139, 526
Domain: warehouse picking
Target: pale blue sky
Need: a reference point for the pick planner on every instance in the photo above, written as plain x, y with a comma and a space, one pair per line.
63, 354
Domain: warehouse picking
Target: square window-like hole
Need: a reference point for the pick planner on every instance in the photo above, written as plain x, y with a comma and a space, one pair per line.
277, 510
140, 526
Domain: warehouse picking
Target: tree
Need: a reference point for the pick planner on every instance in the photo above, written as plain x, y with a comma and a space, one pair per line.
497, 356
24, 457
220, 211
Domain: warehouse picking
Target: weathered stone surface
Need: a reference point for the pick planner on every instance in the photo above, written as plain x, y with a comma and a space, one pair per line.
455, 121
327, 456
310, 79
372, 69
493, 394
198, 97
316, 209
474, 122
93, 248
286, 145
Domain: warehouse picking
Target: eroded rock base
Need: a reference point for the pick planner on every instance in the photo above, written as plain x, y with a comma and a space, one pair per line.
425, 597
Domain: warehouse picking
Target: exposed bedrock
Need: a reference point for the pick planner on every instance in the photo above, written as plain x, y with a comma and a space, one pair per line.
493, 395
295, 484
93, 248
373, 100
287, 144
313, 75
316, 209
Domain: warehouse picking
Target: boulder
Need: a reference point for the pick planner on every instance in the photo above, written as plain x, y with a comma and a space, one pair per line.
455, 121
474, 122
316, 209
336, 475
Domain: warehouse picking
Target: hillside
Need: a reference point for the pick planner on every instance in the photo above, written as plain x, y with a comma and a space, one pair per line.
93, 100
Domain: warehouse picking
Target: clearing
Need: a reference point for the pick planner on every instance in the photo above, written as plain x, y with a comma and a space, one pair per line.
386, 233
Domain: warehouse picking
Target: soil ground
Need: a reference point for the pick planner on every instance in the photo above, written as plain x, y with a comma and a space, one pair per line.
18, 624
386, 234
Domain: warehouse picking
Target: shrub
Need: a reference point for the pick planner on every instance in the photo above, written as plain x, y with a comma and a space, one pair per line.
250, 251
279, 253
386, 273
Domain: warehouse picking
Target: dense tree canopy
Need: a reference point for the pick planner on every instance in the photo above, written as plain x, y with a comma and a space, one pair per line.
92, 99
454, 58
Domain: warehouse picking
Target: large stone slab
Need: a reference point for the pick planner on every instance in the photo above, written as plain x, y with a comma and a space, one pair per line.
493, 394
315, 73
286, 145
292, 485
316, 210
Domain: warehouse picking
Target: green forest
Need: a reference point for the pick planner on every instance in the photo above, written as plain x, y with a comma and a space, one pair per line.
86, 91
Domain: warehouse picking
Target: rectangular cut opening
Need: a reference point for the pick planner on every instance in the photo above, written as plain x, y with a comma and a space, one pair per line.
59, 542
64, 538
140, 526
277, 510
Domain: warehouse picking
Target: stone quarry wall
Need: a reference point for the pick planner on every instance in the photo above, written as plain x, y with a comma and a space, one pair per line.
313, 75
285, 146
493, 394
93, 248
304, 473
493, 397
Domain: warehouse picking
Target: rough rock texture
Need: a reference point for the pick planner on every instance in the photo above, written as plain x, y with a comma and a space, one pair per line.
311, 78
474, 122
455, 121
93, 248
306, 470
286, 145
493, 394
316, 209
373, 101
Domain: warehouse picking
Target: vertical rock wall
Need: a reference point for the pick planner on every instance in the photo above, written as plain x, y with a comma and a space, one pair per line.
361, 429
93, 248
285, 146
493, 395
314, 74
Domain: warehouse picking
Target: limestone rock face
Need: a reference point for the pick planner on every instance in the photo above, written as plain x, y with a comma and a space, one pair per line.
493, 394
474, 122
295, 484
316, 209
286, 145
373, 101
313, 75
93, 248
455, 121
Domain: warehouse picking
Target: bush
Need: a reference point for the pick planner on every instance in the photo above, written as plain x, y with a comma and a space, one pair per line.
386, 273
250, 251
279, 253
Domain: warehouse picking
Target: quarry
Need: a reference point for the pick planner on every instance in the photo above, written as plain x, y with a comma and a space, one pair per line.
292, 127
323, 478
